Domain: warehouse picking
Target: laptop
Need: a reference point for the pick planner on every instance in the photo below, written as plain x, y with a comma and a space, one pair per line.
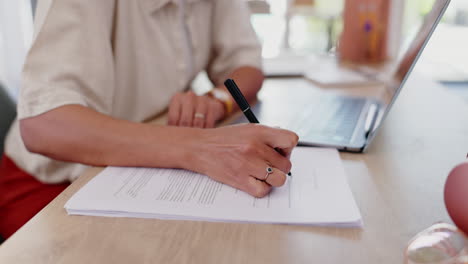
342, 121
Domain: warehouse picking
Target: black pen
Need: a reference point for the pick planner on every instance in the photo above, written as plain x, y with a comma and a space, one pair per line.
243, 104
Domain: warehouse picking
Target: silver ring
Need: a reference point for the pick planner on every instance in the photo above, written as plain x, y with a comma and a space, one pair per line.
199, 115
269, 170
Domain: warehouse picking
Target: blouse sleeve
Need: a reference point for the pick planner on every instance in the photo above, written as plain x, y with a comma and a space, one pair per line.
235, 43
71, 59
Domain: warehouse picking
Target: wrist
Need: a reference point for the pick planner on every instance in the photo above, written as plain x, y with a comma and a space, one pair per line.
189, 148
171, 147
224, 98
199, 150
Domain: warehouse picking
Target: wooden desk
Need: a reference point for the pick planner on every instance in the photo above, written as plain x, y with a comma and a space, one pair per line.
398, 187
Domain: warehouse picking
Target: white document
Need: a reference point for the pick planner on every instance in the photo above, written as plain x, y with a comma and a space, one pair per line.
317, 193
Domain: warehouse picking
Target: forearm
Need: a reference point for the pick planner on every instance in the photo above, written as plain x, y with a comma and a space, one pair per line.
78, 134
234, 155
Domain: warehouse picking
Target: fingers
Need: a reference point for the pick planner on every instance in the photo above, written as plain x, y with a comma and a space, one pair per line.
276, 178
188, 109
212, 111
283, 141
216, 112
201, 114
243, 153
260, 157
268, 173
257, 188
246, 183
210, 120
174, 110
277, 159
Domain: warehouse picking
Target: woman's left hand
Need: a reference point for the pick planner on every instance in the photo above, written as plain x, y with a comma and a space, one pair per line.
190, 110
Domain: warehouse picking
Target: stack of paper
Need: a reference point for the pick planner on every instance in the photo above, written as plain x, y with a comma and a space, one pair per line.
317, 194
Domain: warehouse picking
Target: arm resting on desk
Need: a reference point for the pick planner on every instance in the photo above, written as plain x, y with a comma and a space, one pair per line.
232, 155
184, 106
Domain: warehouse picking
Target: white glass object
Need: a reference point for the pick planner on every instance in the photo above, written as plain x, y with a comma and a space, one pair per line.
439, 244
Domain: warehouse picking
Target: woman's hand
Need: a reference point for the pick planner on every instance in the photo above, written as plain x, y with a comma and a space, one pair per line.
240, 155
190, 110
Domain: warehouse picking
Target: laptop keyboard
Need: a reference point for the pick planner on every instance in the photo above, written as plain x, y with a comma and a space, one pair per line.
321, 118
331, 117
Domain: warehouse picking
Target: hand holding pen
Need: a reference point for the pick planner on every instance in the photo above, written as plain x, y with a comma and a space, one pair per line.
245, 108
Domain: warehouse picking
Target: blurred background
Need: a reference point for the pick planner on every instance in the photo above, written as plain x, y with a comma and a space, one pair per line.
287, 28
304, 27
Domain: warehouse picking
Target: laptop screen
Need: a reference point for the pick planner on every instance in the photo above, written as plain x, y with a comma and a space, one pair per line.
343, 117
413, 51
409, 56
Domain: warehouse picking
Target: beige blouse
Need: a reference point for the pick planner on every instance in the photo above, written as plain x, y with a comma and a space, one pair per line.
124, 58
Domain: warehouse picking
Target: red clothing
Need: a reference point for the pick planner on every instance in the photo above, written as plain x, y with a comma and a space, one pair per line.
21, 196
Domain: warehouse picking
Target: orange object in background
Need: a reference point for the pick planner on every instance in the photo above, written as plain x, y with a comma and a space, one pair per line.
303, 2
365, 31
